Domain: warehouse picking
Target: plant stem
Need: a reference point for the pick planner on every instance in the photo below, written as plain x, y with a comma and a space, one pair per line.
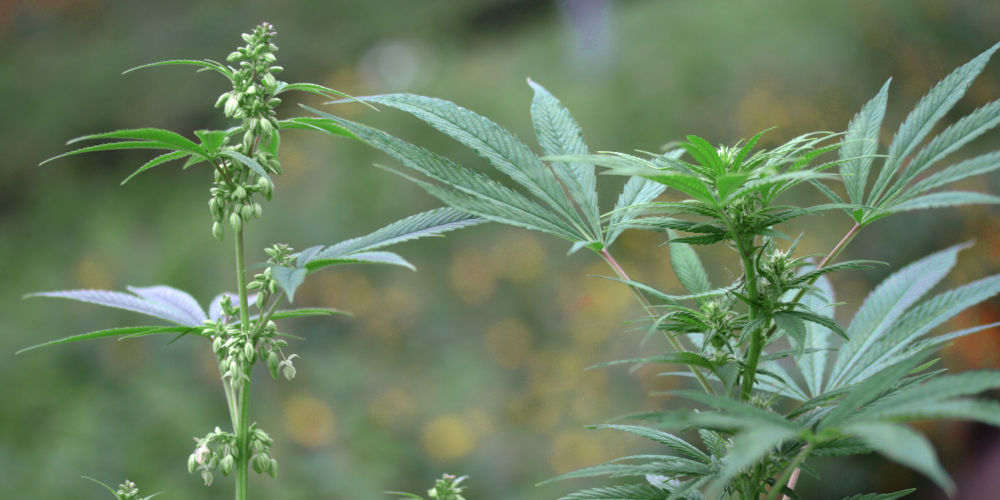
787, 473
676, 344
755, 349
242, 429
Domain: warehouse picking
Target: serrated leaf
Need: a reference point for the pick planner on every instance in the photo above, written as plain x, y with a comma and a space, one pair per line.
313, 88
931, 108
114, 332
425, 224
303, 312
669, 440
793, 326
885, 304
559, 134
501, 148
247, 161
203, 64
865, 392
211, 140
860, 144
620, 492
467, 190
173, 298
974, 166
813, 352
313, 123
687, 267
289, 279
159, 160
376, 257
903, 445
922, 319
748, 447
155, 135
638, 191
882, 496
112, 146
945, 199
126, 301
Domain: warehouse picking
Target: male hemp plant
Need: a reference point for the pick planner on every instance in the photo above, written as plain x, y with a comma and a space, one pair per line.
781, 380
240, 327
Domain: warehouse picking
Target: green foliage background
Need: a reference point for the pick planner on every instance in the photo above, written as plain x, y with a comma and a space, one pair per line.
474, 364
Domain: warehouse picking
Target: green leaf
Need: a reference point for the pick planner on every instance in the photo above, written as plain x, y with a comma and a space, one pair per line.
866, 392
903, 445
882, 496
860, 144
974, 166
559, 134
431, 223
925, 115
489, 140
299, 313
638, 191
159, 160
669, 440
954, 137
204, 64
945, 199
112, 146
748, 447
313, 88
156, 135
211, 140
688, 268
885, 304
289, 279
313, 123
377, 257
793, 326
114, 332
619, 492
473, 192
987, 412
246, 160
813, 352
922, 319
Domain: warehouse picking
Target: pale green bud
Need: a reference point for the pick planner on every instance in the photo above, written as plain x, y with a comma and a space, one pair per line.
235, 221
272, 468
273, 364
227, 464
246, 211
217, 230
268, 79
232, 105
192, 463
248, 353
239, 193
257, 210
222, 99
206, 476
288, 371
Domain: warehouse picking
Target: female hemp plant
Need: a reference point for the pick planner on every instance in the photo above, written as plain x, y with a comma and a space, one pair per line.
240, 327
781, 380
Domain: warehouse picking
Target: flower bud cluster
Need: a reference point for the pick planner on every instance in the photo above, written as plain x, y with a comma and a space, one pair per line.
252, 100
127, 491
447, 488
776, 269
217, 450
721, 321
260, 452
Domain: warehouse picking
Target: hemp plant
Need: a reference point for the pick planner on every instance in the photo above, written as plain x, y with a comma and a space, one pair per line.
240, 327
781, 379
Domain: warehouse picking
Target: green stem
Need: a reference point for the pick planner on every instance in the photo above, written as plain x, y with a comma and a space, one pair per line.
242, 429
676, 344
757, 336
787, 473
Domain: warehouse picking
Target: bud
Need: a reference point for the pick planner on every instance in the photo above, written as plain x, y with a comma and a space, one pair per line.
246, 211
232, 104
248, 353
233, 56
272, 469
251, 90
257, 210
222, 99
192, 463
288, 370
206, 476
239, 193
201, 454
268, 79
217, 230
235, 221
227, 464
272, 364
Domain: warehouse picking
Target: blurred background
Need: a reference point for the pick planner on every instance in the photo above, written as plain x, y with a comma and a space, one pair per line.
475, 363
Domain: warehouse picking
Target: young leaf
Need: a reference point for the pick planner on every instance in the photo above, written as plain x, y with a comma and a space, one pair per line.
638, 191
905, 446
378, 257
174, 298
887, 303
500, 147
299, 313
925, 115
559, 134
155, 135
204, 64
159, 160
115, 332
688, 268
289, 279
128, 302
860, 144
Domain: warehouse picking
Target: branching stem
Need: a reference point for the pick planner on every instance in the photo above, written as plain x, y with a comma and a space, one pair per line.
676, 344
